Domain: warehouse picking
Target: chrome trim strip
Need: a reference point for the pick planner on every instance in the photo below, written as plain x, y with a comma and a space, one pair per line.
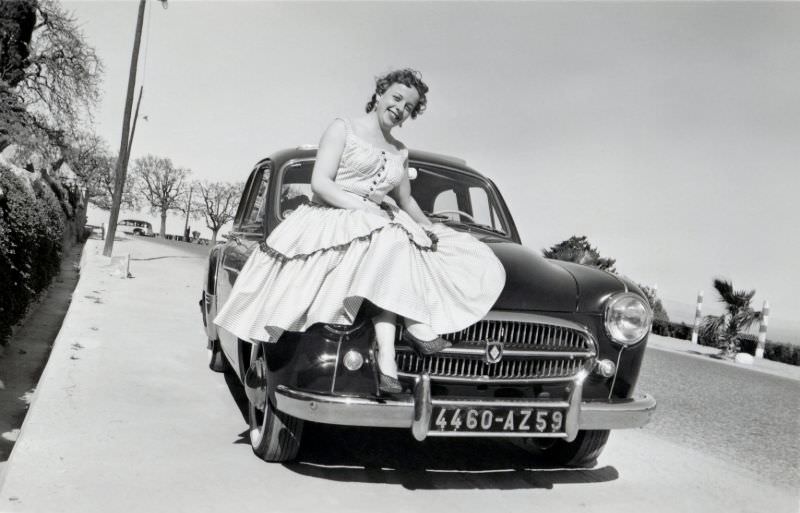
490, 403
573, 412
505, 315
487, 381
634, 413
400, 413
336, 364
616, 372
493, 434
422, 407
518, 353
345, 411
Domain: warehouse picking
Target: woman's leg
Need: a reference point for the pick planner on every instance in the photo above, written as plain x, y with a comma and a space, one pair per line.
419, 330
385, 335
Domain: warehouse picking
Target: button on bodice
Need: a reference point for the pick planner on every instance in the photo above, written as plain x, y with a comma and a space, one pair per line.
367, 170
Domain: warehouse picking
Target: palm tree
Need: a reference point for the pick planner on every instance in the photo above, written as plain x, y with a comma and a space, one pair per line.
726, 329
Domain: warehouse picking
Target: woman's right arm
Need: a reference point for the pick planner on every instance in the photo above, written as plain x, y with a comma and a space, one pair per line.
329, 154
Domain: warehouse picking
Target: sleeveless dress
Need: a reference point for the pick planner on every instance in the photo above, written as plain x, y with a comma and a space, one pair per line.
321, 262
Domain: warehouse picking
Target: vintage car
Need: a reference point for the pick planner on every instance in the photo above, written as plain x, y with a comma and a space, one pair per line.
135, 227
554, 364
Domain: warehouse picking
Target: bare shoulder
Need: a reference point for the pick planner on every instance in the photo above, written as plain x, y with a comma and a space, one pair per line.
335, 133
337, 127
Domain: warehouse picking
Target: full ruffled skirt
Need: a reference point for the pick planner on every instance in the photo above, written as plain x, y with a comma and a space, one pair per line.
321, 262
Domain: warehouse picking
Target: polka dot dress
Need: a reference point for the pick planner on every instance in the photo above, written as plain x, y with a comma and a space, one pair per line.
321, 262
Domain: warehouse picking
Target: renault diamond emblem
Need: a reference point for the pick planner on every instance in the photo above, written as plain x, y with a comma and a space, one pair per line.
494, 351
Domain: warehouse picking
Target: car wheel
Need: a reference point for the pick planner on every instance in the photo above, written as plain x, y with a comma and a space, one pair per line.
581, 452
274, 435
216, 360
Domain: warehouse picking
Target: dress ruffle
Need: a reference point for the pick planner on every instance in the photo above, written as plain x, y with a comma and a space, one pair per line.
306, 276
314, 228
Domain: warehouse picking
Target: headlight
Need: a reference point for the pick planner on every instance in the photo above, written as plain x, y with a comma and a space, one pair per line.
628, 318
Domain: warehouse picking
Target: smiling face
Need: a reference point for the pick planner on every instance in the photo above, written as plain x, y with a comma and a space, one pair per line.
396, 104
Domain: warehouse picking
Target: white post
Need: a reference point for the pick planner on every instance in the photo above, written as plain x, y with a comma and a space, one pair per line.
697, 316
655, 297
762, 330
128, 267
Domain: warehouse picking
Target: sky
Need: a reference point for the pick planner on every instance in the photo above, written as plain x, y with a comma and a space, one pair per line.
668, 133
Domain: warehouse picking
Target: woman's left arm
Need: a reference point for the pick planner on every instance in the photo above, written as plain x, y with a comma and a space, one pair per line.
402, 195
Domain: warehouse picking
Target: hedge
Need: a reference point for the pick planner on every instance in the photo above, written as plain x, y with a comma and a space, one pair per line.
776, 351
32, 225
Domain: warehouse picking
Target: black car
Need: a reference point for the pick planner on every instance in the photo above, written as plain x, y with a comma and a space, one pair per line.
555, 362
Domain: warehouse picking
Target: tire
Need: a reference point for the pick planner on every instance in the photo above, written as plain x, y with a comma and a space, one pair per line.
216, 359
274, 435
581, 452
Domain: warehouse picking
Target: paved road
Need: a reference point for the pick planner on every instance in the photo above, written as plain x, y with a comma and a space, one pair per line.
749, 418
128, 418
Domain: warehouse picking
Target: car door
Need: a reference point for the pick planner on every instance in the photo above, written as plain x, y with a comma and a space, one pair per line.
247, 233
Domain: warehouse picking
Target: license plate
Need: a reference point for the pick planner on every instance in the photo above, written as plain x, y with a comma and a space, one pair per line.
497, 420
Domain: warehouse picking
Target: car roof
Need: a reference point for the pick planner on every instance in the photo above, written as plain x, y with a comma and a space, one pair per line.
310, 151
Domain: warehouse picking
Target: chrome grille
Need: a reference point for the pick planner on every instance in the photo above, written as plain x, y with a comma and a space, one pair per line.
528, 335
532, 352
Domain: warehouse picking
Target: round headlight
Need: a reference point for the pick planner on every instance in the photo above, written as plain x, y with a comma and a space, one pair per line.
628, 318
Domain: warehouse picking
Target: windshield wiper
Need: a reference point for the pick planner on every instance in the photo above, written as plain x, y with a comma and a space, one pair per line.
470, 224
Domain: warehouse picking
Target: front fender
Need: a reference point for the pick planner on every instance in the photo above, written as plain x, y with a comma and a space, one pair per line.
208, 301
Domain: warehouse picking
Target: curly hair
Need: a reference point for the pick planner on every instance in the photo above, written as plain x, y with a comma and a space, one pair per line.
409, 78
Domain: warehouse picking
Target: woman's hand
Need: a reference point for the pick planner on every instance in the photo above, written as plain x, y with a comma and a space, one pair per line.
402, 195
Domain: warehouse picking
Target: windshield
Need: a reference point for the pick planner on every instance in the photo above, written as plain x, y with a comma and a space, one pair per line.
444, 195
453, 197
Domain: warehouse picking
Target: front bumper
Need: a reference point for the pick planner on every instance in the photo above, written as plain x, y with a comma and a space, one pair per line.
414, 411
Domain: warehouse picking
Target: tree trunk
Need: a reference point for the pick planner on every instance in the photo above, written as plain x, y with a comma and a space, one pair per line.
214, 237
163, 224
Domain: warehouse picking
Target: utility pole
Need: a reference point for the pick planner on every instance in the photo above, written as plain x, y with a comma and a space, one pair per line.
188, 210
122, 168
133, 128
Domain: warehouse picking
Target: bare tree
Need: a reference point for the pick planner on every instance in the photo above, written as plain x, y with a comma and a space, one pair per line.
49, 75
89, 158
160, 184
218, 204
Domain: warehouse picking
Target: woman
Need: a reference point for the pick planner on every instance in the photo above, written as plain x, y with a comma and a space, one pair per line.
352, 244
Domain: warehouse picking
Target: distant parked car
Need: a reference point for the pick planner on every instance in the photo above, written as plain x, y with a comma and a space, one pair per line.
554, 363
135, 227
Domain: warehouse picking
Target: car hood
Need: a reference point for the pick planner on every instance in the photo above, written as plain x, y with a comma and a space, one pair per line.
535, 283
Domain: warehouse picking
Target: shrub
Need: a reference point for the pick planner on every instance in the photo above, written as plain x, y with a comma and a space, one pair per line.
775, 351
31, 231
672, 329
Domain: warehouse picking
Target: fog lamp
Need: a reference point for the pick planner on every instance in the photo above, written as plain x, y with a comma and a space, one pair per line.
605, 368
353, 360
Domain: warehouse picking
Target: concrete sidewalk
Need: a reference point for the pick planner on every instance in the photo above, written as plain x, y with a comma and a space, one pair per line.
676, 345
128, 352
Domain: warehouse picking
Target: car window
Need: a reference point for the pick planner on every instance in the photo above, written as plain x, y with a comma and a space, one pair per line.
255, 217
295, 187
458, 197
240, 211
445, 200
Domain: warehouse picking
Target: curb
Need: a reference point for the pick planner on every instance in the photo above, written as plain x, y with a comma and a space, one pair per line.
777, 369
45, 372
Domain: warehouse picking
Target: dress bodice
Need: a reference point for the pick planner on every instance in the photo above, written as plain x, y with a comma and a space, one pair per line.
366, 170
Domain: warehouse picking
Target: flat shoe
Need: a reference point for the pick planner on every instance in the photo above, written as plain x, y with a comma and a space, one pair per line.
388, 384
425, 347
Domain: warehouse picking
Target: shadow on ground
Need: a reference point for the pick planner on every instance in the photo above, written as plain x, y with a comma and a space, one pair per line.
393, 456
